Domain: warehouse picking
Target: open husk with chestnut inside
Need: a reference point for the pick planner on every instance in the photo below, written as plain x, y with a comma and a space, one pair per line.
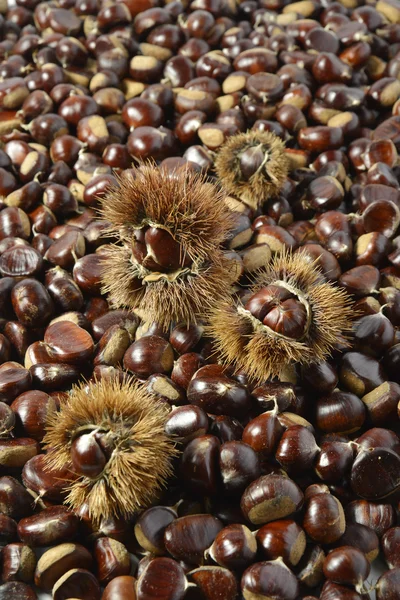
252, 166
168, 264
290, 315
111, 435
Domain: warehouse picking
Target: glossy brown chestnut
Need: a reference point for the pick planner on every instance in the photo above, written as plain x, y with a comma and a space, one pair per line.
234, 547
123, 586
309, 570
150, 354
32, 409
360, 374
14, 380
112, 559
324, 520
52, 525
56, 561
239, 466
284, 539
297, 449
376, 464
346, 565
19, 563
199, 465
188, 537
218, 394
163, 578
259, 501
269, 579
150, 528
69, 343
388, 585
186, 423
15, 501
78, 582
341, 412
390, 547
32, 303
382, 403
361, 537
377, 516
17, 589
334, 461
214, 582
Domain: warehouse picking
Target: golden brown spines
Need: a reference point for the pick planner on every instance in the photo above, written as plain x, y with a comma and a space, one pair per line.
130, 425
252, 166
246, 342
168, 264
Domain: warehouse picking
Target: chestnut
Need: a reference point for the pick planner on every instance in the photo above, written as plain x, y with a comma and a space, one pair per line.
186, 538
199, 465
346, 565
269, 579
150, 528
234, 547
14, 380
162, 577
239, 466
284, 539
374, 334
31, 409
309, 569
361, 537
377, 516
259, 504
360, 373
112, 559
334, 461
297, 449
390, 547
382, 402
324, 520
375, 464
56, 561
40, 529
77, 582
15, 500
387, 585
123, 586
218, 394
340, 412
17, 589
19, 563
214, 582
150, 354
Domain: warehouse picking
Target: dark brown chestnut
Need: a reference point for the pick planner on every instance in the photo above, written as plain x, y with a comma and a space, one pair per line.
268, 579
259, 501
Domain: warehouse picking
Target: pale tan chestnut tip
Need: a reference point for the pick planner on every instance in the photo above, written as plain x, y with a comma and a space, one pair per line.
252, 166
244, 342
193, 212
139, 458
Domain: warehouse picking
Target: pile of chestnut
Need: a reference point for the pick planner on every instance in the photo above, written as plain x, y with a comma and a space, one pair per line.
283, 490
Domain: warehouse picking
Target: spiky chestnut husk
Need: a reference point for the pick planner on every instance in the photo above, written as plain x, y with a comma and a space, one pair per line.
193, 212
245, 342
252, 166
129, 424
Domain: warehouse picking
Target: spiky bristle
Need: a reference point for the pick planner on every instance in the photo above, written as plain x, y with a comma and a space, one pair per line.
263, 355
266, 182
140, 464
192, 210
184, 202
186, 298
